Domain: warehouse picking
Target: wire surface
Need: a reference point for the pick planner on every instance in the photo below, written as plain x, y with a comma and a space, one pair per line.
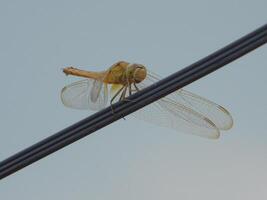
140, 99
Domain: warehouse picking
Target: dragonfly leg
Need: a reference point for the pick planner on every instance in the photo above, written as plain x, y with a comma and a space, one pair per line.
113, 98
136, 88
130, 93
122, 97
123, 93
130, 89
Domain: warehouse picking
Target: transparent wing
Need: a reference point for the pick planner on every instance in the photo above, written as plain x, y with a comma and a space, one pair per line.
216, 113
166, 113
85, 94
185, 111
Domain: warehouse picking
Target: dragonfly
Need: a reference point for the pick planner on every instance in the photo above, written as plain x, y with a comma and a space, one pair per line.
181, 110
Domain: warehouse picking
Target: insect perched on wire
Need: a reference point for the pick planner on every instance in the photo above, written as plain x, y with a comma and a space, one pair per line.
181, 110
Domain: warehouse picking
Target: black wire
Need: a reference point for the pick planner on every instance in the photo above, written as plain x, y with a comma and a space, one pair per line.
137, 101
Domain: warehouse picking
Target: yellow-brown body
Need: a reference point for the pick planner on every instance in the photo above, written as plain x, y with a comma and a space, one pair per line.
121, 72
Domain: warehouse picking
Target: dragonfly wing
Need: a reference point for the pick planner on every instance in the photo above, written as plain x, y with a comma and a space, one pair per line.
85, 94
214, 112
169, 114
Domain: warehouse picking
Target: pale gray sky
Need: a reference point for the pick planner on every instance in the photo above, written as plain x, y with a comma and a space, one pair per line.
131, 159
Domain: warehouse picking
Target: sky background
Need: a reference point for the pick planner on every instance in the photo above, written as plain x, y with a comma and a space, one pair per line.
131, 159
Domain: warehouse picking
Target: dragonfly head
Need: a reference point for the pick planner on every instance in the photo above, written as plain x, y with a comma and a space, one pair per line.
136, 73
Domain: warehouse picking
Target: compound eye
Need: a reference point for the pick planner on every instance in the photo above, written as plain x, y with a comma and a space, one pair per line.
139, 74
